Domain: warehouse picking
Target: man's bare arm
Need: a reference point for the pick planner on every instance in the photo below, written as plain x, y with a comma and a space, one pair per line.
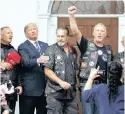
73, 25
52, 76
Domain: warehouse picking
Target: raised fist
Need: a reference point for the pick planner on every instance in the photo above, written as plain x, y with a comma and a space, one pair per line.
72, 10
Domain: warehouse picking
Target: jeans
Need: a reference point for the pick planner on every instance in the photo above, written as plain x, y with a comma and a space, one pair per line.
56, 106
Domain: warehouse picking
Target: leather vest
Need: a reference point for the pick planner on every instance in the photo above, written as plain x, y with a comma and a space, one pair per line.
59, 68
89, 60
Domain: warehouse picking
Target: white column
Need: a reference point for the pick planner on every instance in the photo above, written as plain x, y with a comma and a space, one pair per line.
42, 19
121, 32
42, 22
52, 26
46, 23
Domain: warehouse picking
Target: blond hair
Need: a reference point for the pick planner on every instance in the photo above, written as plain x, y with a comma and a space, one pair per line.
100, 24
28, 25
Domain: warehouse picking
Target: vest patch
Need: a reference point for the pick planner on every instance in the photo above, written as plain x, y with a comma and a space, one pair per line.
104, 57
109, 51
91, 45
91, 63
58, 57
100, 52
84, 64
93, 55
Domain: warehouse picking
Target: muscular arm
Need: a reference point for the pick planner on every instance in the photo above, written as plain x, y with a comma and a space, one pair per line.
52, 76
73, 24
50, 73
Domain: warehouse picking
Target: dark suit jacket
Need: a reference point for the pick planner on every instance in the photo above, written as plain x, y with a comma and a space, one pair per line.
33, 79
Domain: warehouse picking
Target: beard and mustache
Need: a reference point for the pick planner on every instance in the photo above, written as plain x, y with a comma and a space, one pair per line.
61, 43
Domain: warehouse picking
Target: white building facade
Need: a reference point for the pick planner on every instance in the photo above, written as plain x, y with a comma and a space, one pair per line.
17, 13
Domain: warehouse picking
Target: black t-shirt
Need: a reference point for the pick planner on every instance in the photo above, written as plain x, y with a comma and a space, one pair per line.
102, 54
102, 61
102, 58
83, 45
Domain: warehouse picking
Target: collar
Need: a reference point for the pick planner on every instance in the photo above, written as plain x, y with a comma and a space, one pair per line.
32, 41
69, 49
62, 48
6, 46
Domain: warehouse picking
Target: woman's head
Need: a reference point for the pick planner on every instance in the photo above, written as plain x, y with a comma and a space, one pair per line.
115, 73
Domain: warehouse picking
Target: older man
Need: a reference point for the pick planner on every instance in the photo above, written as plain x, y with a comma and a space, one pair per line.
9, 69
61, 76
33, 80
93, 53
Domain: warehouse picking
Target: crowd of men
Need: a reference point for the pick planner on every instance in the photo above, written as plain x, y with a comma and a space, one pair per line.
45, 77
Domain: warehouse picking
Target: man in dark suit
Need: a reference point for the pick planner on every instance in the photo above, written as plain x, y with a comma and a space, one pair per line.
33, 80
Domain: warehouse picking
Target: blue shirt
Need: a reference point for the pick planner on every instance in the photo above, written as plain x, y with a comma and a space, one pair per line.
99, 95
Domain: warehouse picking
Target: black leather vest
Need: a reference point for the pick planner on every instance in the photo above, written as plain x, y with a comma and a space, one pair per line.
59, 68
89, 60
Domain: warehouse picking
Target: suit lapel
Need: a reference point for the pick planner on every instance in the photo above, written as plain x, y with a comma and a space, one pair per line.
32, 47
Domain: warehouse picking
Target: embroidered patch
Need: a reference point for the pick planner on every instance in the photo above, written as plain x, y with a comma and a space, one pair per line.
74, 55
122, 60
93, 55
91, 45
84, 58
104, 57
84, 64
109, 51
58, 57
100, 52
91, 63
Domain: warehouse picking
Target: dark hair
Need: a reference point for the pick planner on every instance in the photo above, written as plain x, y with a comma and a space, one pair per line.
115, 73
63, 28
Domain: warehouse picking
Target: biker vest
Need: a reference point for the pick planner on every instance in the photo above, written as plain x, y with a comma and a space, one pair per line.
59, 67
89, 60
